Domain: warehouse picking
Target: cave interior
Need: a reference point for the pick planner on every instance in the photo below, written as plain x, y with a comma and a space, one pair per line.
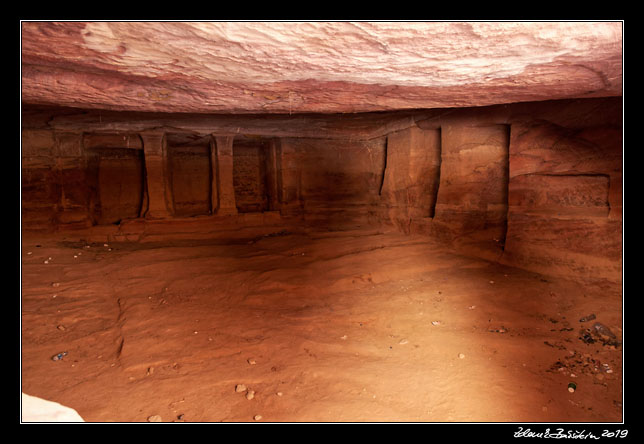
405, 263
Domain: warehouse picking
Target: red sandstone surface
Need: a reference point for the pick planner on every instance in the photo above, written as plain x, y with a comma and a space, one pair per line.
330, 214
354, 325
320, 67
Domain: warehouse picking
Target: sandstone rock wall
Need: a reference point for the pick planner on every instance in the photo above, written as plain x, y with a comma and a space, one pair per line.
41, 194
565, 210
472, 198
191, 178
74, 180
537, 186
109, 180
250, 176
332, 181
54, 179
119, 185
411, 177
534, 185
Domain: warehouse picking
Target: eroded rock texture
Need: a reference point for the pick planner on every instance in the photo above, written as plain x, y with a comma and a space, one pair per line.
336, 202
472, 199
320, 67
536, 185
447, 129
332, 182
411, 176
565, 199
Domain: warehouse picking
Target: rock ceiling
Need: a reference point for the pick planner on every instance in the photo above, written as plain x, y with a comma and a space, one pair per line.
315, 67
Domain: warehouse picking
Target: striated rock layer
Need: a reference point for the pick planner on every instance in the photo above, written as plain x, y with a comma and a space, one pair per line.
204, 199
321, 67
537, 185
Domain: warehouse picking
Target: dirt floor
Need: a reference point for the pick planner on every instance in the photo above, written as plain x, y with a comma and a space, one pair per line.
312, 326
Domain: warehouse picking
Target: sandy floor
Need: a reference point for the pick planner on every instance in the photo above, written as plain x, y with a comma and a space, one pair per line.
321, 326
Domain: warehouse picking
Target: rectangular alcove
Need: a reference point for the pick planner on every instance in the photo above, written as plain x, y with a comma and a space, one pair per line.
250, 174
116, 177
190, 170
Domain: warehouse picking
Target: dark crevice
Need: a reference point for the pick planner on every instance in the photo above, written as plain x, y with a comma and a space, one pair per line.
384, 169
437, 181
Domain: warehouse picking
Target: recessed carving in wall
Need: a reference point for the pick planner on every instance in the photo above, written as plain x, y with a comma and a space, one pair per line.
190, 173
119, 183
249, 175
